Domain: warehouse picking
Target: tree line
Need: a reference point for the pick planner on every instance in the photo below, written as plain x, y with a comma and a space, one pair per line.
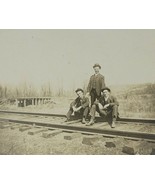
29, 90
47, 90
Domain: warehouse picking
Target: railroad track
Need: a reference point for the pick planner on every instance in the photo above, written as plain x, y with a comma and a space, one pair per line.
137, 129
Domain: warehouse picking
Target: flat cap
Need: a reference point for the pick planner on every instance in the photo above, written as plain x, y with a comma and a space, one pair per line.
97, 65
79, 89
106, 88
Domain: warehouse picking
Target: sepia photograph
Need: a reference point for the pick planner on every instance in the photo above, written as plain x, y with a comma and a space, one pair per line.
77, 92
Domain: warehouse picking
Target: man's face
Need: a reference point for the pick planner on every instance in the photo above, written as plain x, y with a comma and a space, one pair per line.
106, 93
80, 94
96, 69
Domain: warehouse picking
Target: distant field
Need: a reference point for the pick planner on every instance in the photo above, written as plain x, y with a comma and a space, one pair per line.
135, 101
137, 106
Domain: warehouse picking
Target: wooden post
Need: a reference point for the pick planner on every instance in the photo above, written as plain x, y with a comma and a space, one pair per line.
36, 101
17, 102
24, 102
32, 101
39, 101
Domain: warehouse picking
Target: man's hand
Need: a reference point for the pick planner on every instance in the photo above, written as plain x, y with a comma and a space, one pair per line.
100, 106
106, 106
74, 109
77, 109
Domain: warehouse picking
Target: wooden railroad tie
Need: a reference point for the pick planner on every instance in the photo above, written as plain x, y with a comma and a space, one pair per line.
15, 126
72, 122
4, 125
51, 133
37, 130
90, 140
71, 136
26, 127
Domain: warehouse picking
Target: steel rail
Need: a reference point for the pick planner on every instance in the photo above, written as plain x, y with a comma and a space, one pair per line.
32, 113
125, 119
89, 130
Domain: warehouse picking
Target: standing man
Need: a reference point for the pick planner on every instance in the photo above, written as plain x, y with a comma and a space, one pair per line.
106, 106
80, 106
96, 84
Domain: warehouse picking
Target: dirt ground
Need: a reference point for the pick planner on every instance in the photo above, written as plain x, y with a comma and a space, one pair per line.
15, 142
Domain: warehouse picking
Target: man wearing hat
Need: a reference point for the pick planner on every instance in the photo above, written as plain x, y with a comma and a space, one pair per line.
96, 84
106, 106
80, 106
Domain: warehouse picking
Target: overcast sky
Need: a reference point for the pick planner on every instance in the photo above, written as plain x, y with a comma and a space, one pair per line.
67, 56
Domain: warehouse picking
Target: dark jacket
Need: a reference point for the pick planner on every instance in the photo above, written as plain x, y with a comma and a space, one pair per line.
80, 102
100, 83
111, 101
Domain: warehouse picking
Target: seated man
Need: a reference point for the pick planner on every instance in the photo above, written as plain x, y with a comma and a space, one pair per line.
80, 106
106, 106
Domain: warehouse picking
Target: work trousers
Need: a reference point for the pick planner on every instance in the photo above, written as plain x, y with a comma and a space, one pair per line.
94, 96
83, 112
111, 112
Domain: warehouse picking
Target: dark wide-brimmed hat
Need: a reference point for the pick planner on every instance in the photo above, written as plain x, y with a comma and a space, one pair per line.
97, 65
106, 88
79, 89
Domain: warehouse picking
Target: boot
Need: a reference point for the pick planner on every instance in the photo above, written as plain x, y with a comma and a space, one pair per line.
84, 121
91, 122
67, 119
113, 123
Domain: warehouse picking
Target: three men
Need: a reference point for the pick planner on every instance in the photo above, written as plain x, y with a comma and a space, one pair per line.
96, 84
101, 101
106, 106
80, 106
